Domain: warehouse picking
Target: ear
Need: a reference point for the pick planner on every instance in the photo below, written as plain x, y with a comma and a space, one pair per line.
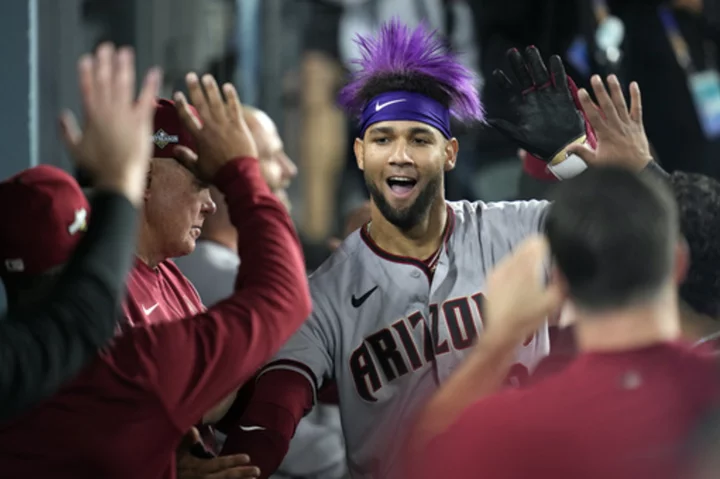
451, 150
567, 315
359, 149
556, 276
682, 261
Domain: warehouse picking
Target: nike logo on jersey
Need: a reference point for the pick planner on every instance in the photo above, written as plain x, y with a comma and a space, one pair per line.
379, 106
357, 302
251, 428
149, 310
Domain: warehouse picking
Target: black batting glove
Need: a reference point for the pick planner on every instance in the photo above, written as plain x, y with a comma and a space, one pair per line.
543, 117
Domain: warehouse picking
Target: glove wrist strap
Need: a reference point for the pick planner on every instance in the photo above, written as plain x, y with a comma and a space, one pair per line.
566, 165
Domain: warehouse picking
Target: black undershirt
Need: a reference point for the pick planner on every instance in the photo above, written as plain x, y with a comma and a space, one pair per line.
46, 344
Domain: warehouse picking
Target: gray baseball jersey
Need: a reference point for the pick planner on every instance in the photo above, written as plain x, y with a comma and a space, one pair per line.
389, 332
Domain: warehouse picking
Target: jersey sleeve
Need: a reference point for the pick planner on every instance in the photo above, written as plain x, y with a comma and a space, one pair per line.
192, 364
506, 224
309, 352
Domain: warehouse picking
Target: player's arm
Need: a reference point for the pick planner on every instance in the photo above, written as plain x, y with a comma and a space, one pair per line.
517, 301
285, 390
487, 436
561, 126
45, 346
53, 340
194, 363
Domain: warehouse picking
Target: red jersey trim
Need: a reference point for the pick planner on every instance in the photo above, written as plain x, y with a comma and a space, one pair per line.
421, 264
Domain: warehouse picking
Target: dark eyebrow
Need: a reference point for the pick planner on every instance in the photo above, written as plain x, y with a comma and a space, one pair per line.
388, 130
419, 130
385, 130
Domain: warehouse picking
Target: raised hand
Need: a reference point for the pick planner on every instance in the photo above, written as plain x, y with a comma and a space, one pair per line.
114, 145
543, 118
621, 138
518, 299
220, 132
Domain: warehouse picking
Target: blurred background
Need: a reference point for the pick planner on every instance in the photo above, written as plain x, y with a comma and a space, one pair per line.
290, 57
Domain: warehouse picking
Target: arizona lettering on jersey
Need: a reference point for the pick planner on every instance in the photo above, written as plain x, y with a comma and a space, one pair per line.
393, 351
389, 332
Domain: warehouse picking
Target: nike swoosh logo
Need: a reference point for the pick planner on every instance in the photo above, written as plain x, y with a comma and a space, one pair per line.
379, 106
251, 428
149, 310
357, 302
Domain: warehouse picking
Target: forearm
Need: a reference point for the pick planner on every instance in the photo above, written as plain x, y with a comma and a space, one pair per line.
52, 341
264, 431
210, 355
481, 374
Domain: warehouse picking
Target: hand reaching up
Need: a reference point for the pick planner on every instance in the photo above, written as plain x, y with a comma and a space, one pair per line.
114, 145
621, 138
220, 132
518, 300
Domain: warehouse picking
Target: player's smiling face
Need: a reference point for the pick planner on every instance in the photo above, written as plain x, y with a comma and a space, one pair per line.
403, 163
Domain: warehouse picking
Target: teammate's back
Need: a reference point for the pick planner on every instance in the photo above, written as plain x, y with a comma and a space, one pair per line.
620, 415
627, 405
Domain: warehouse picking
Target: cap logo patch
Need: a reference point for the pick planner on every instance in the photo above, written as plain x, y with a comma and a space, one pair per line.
79, 223
162, 139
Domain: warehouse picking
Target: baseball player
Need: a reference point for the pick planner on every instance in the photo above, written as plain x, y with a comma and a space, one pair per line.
399, 305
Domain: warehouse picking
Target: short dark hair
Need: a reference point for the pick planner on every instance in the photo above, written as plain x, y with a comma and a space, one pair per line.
698, 200
612, 234
410, 82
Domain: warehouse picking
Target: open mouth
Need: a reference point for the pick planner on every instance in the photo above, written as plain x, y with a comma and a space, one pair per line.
401, 185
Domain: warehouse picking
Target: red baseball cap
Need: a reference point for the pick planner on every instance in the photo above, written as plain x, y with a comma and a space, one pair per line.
169, 130
45, 214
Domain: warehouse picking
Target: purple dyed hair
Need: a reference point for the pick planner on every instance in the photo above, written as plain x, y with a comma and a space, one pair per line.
397, 50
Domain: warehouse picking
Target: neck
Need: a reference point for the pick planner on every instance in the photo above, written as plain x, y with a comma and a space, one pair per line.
147, 250
630, 328
420, 242
696, 326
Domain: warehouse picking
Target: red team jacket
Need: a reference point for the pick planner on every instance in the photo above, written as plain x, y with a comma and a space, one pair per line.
625, 415
124, 415
157, 295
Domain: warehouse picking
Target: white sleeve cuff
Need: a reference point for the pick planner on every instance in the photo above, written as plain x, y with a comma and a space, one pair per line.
566, 165
571, 166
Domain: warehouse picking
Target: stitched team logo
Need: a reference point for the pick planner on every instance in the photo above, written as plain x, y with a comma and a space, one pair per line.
79, 223
162, 139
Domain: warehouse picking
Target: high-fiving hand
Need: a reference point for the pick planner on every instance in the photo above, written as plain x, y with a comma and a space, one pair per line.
221, 132
518, 299
621, 138
543, 118
115, 145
